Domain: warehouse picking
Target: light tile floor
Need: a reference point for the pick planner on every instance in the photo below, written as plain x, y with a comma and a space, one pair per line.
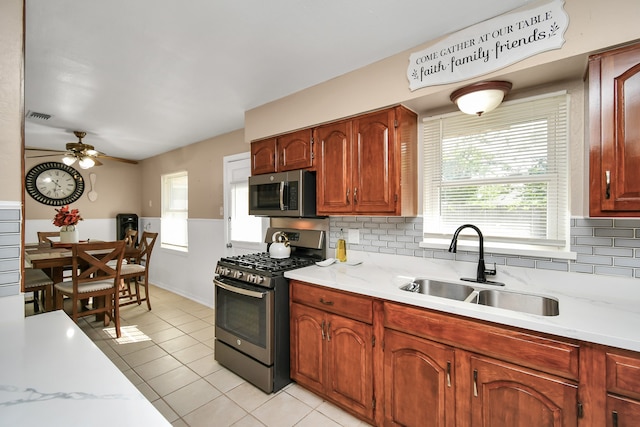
176, 370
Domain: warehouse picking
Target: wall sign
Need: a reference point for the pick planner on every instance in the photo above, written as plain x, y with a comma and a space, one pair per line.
489, 46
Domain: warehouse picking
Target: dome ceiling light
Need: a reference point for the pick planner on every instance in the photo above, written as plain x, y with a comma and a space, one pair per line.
482, 97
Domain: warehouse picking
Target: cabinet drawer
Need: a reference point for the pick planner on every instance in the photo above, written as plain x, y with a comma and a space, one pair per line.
536, 351
623, 374
354, 306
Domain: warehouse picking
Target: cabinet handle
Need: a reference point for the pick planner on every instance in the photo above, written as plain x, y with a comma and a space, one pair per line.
329, 332
348, 197
607, 175
475, 383
448, 374
326, 302
322, 329
355, 195
614, 418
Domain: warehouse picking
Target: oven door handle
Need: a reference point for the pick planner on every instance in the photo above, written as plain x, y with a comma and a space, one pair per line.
240, 291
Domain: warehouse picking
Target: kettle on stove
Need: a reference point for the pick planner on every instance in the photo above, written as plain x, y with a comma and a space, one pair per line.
279, 247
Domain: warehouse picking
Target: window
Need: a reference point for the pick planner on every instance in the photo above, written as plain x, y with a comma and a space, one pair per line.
175, 211
244, 231
505, 172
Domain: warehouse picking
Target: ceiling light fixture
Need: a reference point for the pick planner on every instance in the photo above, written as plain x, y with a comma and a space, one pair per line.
86, 162
480, 98
69, 159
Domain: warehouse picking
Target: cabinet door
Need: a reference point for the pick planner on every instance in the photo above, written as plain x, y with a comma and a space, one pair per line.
614, 80
622, 412
263, 156
505, 395
307, 357
333, 143
374, 168
418, 382
295, 151
350, 364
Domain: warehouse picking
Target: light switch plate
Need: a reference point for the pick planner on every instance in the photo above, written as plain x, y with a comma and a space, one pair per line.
354, 236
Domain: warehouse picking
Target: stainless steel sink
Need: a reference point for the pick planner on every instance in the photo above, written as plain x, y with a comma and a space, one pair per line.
437, 288
525, 303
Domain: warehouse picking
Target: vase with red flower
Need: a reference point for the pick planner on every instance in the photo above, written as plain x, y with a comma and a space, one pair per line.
67, 219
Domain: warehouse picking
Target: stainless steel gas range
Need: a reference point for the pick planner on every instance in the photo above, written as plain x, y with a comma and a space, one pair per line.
252, 309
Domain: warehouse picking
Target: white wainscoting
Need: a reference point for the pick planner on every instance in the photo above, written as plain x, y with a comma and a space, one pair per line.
189, 274
98, 229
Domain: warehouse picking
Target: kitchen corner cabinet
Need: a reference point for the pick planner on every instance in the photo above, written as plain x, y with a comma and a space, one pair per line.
614, 91
332, 346
282, 153
367, 165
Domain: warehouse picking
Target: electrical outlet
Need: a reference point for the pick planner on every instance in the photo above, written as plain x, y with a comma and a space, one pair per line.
354, 236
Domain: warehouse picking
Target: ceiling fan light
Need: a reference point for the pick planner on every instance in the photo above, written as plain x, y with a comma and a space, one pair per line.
68, 159
480, 98
86, 162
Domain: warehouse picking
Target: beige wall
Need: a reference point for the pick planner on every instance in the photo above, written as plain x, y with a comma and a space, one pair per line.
11, 105
593, 25
203, 162
117, 184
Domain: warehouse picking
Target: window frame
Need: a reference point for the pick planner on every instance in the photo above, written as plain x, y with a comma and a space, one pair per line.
167, 200
441, 237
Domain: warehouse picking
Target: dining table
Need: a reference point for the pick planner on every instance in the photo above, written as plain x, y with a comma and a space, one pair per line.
53, 258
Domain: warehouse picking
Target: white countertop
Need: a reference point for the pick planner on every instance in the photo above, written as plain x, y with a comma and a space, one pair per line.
52, 374
594, 308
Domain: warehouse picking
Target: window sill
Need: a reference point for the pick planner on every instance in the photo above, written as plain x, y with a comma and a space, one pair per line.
173, 248
502, 248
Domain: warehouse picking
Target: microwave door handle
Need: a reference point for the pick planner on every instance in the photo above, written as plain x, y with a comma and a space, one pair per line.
245, 292
282, 184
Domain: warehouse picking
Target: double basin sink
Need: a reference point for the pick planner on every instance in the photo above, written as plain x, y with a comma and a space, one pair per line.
515, 301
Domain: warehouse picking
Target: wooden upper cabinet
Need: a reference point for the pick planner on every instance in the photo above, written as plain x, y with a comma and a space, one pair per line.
614, 109
295, 150
367, 165
263, 156
283, 153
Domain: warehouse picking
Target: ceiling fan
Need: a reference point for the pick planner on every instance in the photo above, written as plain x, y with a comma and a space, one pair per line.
86, 155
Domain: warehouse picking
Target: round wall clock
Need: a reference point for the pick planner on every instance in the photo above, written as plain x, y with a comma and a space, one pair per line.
54, 184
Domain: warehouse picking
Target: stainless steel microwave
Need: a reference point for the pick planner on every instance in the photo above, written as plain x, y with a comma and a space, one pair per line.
283, 194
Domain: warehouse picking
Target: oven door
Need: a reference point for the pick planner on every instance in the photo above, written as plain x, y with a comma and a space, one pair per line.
245, 318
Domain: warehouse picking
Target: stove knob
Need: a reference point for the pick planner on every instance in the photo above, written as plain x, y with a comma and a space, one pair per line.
239, 274
259, 279
226, 272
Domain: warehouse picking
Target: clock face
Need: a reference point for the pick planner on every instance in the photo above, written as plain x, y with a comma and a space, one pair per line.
54, 184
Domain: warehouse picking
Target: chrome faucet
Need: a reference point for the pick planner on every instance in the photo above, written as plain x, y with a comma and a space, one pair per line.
482, 272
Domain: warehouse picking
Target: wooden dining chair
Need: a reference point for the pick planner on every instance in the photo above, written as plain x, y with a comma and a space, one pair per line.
45, 236
37, 281
131, 237
94, 277
136, 270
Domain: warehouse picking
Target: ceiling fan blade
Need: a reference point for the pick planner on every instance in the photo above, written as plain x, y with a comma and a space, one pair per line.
44, 155
43, 149
117, 159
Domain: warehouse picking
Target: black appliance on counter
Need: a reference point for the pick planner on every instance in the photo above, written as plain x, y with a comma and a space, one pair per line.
252, 309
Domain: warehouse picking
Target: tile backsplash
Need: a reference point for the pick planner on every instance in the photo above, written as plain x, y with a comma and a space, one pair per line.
604, 246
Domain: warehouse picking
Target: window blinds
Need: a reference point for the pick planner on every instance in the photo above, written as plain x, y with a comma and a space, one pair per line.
505, 172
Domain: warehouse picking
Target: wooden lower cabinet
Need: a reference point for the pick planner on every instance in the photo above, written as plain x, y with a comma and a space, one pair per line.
418, 382
505, 395
434, 369
622, 412
333, 356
